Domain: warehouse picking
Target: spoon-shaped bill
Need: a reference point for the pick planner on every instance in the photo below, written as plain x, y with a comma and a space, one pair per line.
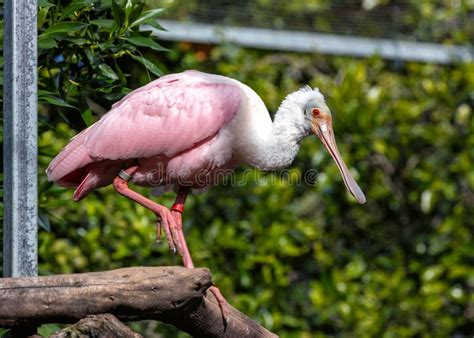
323, 129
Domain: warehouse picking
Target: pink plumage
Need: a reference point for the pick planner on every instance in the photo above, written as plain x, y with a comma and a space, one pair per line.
162, 120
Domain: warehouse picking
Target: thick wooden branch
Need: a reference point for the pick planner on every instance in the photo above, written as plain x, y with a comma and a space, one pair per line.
105, 325
174, 295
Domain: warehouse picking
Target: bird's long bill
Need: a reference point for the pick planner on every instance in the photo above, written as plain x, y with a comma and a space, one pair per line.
323, 129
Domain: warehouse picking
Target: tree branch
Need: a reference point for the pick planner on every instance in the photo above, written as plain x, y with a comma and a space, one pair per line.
174, 295
105, 325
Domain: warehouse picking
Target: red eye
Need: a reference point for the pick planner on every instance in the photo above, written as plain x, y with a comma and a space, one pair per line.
316, 112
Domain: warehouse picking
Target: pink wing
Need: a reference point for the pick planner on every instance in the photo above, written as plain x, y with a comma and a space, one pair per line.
165, 117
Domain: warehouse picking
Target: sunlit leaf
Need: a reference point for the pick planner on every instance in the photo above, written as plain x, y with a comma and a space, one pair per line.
46, 43
103, 23
45, 3
128, 9
52, 99
87, 117
147, 16
153, 24
78, 41
108, 71
149, 65
146, 42
42, 13
63, 27
74, 6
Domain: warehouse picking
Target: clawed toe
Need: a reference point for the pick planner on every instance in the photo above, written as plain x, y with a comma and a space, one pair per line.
164, 224
223, 305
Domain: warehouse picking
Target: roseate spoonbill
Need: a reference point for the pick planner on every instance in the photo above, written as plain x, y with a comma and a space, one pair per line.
186, 125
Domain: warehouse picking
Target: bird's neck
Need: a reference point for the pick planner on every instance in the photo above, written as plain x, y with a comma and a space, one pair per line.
283, 138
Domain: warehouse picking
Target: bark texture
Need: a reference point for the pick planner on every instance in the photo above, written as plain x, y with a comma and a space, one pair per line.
105, 325
173, 295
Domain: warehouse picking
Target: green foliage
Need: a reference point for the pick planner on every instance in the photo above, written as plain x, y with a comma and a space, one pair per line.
304, 260
85, 49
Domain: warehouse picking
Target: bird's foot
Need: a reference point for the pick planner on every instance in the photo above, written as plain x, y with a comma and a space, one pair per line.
223, 305
178, 234
168, 223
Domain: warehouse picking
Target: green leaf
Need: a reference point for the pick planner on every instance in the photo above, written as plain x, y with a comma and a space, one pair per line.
78, 41
47, 330
153, 24
43, 221
137, 11
146, 42
106, 45
45, 3
42, 13
91, 56
44, 92
74, 6
103, 23
3, 331
128, 9
108, 71
56, 101
121, 75
63, 27
46, 43
147, 16
50, 98
148, 64
87, 117
117, 12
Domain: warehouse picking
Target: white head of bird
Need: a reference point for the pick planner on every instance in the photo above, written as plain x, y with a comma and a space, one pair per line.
302, 113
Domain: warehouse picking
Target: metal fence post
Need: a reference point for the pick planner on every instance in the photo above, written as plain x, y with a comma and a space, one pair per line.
20, 139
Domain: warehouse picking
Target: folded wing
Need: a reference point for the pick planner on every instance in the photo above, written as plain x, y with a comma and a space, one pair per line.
165, 117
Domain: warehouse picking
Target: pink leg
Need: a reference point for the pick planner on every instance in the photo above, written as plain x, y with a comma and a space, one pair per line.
167, 220
177, 210
171, 221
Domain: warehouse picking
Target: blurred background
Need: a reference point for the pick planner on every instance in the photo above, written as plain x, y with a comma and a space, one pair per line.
302, 260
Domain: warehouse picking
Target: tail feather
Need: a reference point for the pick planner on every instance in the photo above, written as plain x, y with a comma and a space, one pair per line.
73, 167
96, 175
84, 188
72, 180
74, 156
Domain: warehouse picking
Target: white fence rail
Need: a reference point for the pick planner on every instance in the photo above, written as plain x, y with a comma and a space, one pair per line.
314, 42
